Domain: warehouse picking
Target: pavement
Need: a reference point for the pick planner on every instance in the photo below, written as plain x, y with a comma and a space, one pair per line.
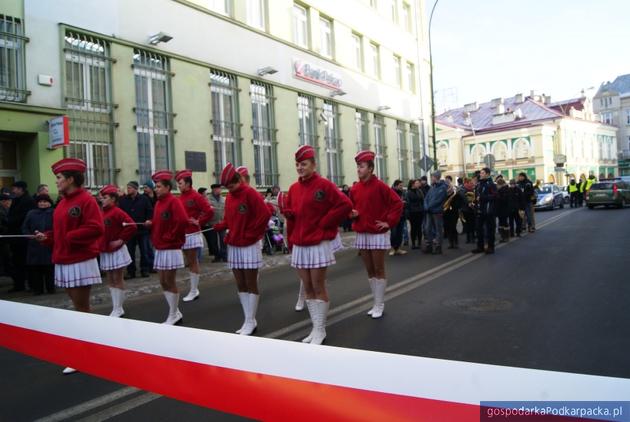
556, 299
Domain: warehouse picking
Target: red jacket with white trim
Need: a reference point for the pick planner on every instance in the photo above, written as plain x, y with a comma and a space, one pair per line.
168, 228
374, 200
196, 207
316, 208
113, 219
246, 217
77, 229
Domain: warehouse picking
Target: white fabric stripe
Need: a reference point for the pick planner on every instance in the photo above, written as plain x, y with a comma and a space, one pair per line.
168, 259
438, 379
84, 273
373, 241
193, 241
115, 260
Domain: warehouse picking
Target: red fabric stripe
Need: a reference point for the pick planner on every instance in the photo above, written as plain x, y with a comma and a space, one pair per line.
248, 394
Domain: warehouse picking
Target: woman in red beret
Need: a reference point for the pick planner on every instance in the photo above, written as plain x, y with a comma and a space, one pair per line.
199, 213
119, 229
315, 208
377, 208
245, 218
168, 235
76, 235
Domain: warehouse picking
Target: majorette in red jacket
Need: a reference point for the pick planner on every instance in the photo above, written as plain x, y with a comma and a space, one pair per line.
168, 228
113, 219
374, 201
246, 217
316, 208
196, 207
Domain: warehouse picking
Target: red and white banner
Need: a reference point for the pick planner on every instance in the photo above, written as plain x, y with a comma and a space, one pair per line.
280, 380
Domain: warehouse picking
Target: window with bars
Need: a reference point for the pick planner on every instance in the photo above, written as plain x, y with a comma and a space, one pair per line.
306, 120
154, 117
12, 60
87, 82
333, 143
416, 150
380, 148
225, 120
361, 123
403, 152
263, 128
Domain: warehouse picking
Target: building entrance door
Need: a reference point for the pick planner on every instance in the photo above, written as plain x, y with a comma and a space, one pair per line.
9, 171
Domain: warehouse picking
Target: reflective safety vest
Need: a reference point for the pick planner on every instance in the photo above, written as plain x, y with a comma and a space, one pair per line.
589, 183
573, 188
582, 186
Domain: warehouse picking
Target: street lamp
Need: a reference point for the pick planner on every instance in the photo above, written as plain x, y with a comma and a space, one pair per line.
431, 87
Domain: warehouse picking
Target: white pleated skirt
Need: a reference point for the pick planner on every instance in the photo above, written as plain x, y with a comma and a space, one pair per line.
316, 256
193, 241
373, 241
245, 257
115, 260
168, 259
336, 244
79, 274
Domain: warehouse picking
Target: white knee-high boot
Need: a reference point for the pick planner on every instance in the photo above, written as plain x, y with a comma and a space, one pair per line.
321, 315
250, 317
174, 315
194, 288
243, 297
299, 306
310, 305
371, 311
379, 297
118, 297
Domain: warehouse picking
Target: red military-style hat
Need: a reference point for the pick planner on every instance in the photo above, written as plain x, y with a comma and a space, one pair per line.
304, 153
227, 174
363, 156
242, 170
183, 173
109, 190
69, 164
162, 175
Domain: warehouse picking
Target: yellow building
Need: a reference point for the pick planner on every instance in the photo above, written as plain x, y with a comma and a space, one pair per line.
551, 142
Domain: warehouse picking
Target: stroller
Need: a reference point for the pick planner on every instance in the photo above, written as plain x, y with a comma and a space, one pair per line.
274, 238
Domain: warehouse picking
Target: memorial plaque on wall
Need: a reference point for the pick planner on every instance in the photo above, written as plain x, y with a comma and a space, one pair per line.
195, 160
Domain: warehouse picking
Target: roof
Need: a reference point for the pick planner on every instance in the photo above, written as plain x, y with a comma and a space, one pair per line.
481, 119
565, 106
621, 86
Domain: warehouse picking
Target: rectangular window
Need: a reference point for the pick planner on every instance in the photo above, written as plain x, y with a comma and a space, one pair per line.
607, 118
628, 116
411, 77
374, 60
380, 148
263, 128
333, 143
326, 42
357, 48
87, 82
226, 127
361, 122
406, 16
300, 25
416, 150
306, 120
403, 152
256, 14
398, 71
223, 7
154, 117
12, 60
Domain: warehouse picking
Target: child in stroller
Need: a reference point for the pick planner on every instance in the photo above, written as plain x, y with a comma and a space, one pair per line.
274, 239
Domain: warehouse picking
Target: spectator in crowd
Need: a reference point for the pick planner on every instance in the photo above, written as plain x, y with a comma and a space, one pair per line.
529, 196
485, 198
517, 209
149, 191
503, 209
6, 267
216, 246
452, 207
468, 210
40, 269
434, 214
415, 212
22, 203
397, 231
140, 209
347, 223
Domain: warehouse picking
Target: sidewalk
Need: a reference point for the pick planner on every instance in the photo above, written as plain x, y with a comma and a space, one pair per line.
141, 287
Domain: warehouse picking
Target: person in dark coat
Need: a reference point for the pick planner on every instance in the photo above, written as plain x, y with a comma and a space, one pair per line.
468, 210
529, 195
140, 209
6, 267
434, 214
516, 204
485, 197
396, 235
452, 206
347, 223
415, 212
22, 203
503, 209
41, 270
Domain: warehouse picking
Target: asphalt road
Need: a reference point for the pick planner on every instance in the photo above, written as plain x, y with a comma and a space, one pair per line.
556, 300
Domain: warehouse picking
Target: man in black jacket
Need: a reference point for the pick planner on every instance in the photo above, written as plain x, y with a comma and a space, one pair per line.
140, 210
529, 196
485, 197
6, 268
517, 207
22, 203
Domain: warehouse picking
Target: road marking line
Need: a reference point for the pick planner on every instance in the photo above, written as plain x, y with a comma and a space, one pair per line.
336, 315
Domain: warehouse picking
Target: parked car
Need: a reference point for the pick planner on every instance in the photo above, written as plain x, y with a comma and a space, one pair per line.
549, 196
609, 192
565, 194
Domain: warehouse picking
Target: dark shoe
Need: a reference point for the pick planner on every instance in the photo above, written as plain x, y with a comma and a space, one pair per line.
489, 250
428, 250
144, 274
129, 276
437, 250
477, 250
